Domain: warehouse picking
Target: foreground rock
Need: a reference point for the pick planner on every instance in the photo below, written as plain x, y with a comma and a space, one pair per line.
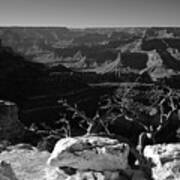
166, 160
10, 127
91, 158
92, 152
67, 163
26, 161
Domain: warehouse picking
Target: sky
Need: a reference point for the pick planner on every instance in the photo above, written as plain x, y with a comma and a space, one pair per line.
90, 13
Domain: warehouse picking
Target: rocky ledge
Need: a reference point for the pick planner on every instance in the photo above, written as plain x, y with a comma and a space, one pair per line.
165, 159
26, 162
87, 158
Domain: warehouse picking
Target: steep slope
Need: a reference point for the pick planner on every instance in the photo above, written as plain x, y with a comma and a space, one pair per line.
34, 86
19, 75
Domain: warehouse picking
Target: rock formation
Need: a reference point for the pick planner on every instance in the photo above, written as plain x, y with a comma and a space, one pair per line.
113, 66
26, 161
79, 158
92, 158
92, 152
166, 161
10, 126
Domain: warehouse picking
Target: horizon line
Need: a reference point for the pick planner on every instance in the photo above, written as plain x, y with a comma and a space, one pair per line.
89, 27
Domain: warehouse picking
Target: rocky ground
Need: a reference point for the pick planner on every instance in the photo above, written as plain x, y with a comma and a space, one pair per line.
89, 157
26, 162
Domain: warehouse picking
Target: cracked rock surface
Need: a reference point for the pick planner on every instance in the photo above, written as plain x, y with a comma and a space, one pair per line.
91, 158
27, 163
92, 153
166, 160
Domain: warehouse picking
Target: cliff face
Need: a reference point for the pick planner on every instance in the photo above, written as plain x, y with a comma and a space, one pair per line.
98, 47
34, 86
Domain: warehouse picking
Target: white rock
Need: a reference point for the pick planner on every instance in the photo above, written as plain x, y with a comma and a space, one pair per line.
27, 163
90, 153
166, 158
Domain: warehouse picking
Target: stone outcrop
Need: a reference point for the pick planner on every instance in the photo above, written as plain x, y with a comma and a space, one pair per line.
165, 159
30, 164
91, 152
91, 158
10, 126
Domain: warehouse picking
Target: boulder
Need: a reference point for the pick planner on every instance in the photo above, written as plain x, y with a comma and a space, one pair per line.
92, 158
10, 126
90, 153
88, 157
165, 159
